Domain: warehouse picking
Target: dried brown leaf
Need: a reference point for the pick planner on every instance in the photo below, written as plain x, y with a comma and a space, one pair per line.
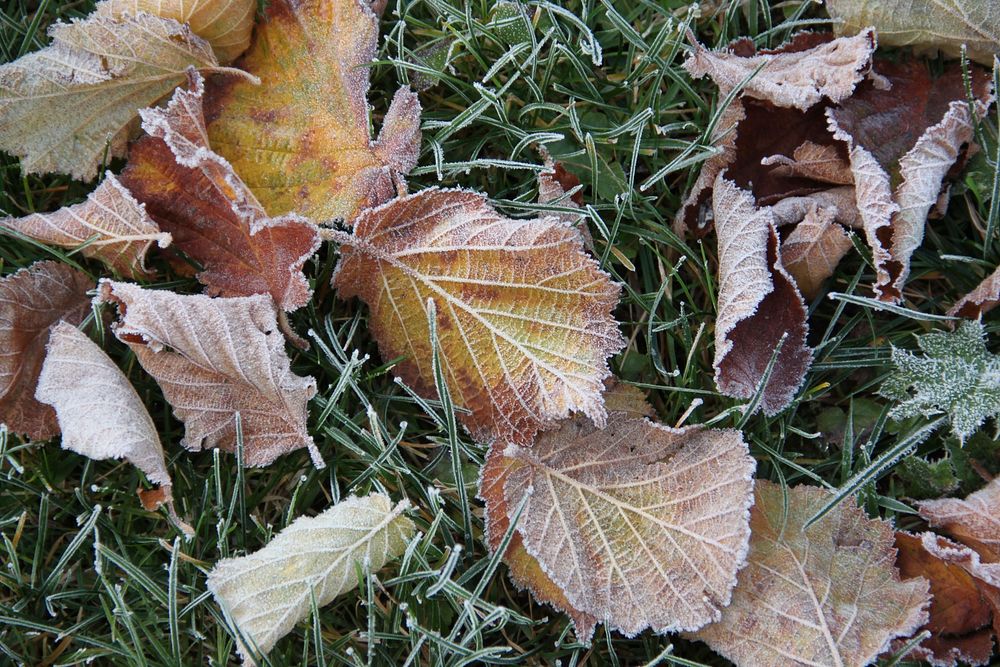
225, 24
823, 163
300, 140
195, 194
813, 249
980, 300
759, 304
626, 523
523, 314
974, 521
793, 77
100, 414
215, 359
825, 595
114, 226
31, 301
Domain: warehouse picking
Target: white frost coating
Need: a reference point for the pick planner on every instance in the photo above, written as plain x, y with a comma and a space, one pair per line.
267, 592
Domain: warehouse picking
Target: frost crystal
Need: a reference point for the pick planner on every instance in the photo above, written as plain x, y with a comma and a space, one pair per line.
956, 376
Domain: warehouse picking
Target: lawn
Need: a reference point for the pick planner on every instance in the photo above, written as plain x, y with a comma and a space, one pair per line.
88, 576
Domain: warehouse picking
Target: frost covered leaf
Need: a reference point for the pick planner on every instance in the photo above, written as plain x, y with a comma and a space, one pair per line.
905, 131
214, 359
925, 24
625, 522
31, 301
225, 24
826, 595
523, 314
300, 140
115, 66
982, 299
813, 249
758, 304
974, 521
100, 414
111, 225
964, 609
195, 194
823, 163
956, 376
267, 592
800, 74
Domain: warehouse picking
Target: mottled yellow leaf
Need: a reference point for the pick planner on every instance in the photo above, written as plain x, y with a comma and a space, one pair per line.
63, 107
225, 24
523, 313
267, 592
300, 140
925, 24
110, 225
828, 595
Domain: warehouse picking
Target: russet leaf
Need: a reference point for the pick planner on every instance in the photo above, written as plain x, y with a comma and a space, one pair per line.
523, 314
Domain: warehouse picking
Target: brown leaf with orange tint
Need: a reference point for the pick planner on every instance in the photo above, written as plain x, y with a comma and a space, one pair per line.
758, 306
811, 68
300, 139
31, 301
962, 607
218, 360
823, 163
195, 195
523, 313
824, 595
980, 300
813, 249
110, 225
974, 521
905, 131
624, 524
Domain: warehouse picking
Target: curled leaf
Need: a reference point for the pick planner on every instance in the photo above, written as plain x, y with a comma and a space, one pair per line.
225, 24
974, 521
823, 163
947, 25
963, 609
980, 300
813, 249
110, 225
759, 305
267, 592
622, 523
905, 131
218, 361
800, 74
31, 301
300, 140
824, 595
100, 414
215, 219
523, 314
63, 107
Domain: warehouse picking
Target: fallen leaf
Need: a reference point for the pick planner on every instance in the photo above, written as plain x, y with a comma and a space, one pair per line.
523, 314
839, 201
100, 414
980, 300
300, 140
31, 301
110, 225
801, 74
64, 107
195, 195
904, 136
625, 522
956, 376
758, 304
823, 163
825, 595
961, 610
813, 249
268, 592
215, 359
974, 521
225, 24
925, 24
